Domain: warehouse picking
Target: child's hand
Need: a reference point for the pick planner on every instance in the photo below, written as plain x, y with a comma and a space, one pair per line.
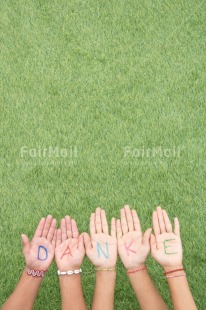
39, 253
133, 246
166, 246
101, 248
69, 252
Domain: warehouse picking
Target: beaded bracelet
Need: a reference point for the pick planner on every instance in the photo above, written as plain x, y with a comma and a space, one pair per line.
136, 270
105, 269
179, 275
36, 273
69, 272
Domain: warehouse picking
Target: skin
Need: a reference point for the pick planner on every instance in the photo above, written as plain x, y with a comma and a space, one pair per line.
69, 255
133, 249
24, 295
105, 280
180, 292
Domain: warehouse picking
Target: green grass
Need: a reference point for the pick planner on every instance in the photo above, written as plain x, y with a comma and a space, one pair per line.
102, 75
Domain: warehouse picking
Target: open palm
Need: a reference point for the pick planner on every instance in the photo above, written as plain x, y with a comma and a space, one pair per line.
101, 248
39, 253
133, 246
69, 252
166, 245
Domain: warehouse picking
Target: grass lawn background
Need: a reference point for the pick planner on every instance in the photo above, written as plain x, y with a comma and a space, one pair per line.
101, 76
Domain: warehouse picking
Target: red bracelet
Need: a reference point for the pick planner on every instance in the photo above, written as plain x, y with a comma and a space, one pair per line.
136, 270
173, 271
36, 273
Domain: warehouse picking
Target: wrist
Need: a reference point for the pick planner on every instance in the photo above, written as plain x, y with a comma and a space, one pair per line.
171, 268
30, 278
109, 270
35, 272
140, 270
68, 268
107, 277
135, 266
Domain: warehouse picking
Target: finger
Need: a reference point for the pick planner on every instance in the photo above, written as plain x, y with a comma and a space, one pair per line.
25, 239
81, 243
153, 244
123, 222
146, 236
40, 227
161, 220
63, 230
51, 230
75, 231
155, 223
92, 224
129, 218
137, 226
54, 239
59, 237
47, 225
113, 228
105, 229
176, 227
168, 224
98, 223
118, 229
87, 242
26, 243
68, 226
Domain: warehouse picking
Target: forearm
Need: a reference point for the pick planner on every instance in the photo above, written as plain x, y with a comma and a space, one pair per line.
24, 295
145, 291
104, 290
180, 292
72, 293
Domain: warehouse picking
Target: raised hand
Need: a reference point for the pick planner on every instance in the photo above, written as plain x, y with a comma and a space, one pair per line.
133, 246
101, 248
166, 246
70, 251
39, 253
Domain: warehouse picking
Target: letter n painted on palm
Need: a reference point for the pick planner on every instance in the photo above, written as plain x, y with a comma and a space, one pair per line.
100, 250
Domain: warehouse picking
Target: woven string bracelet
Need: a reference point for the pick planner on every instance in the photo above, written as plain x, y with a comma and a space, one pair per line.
136, 270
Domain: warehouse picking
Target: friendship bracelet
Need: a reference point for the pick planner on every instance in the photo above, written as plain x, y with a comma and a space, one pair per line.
173, 271
105, 269
179, 275
36, 273
136, 270
69, 272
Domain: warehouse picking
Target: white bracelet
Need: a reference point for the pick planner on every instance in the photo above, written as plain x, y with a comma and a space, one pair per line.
69, 272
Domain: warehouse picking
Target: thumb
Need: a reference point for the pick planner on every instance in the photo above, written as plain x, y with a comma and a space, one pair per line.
81, 243
146, 236
26, 243
153, 244
87, 242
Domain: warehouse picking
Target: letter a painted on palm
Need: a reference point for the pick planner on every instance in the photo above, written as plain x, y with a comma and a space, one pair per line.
67, 252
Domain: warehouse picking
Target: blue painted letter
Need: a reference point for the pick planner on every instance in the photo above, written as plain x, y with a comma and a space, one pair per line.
99, 250
39, 250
